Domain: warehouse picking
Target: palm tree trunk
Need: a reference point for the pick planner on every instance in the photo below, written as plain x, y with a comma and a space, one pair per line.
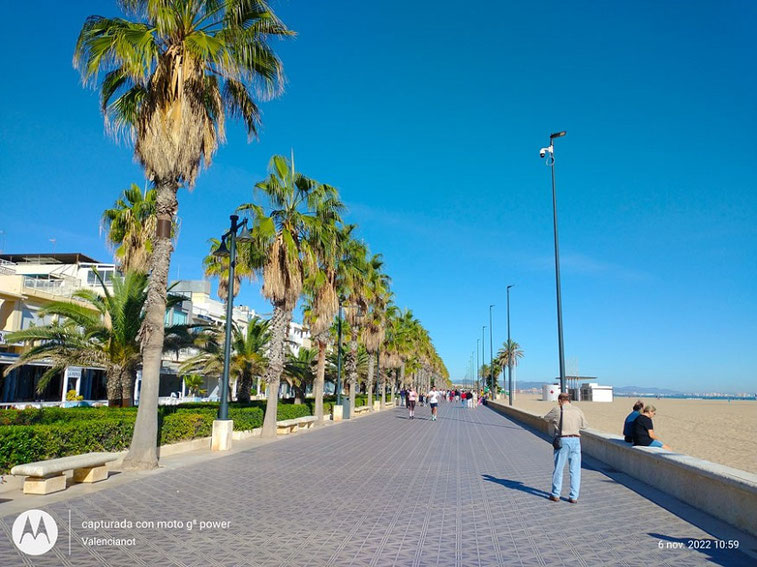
319, 380
143, 453
243, 391
279, 330
352, 372
127, 387
382, 380
369, 380
113, 386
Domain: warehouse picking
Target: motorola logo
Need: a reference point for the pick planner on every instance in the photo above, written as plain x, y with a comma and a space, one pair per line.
35, 532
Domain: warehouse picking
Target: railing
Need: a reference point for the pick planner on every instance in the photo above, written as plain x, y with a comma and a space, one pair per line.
55, 286
7, 268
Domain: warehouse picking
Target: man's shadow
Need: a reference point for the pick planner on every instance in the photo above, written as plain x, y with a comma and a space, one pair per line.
516, 485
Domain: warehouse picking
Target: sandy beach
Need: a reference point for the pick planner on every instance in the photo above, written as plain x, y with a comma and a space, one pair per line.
715, 430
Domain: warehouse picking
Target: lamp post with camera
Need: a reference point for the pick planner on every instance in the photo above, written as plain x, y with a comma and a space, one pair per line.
551, 163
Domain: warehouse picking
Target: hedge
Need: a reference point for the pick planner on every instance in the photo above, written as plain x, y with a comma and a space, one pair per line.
37, 434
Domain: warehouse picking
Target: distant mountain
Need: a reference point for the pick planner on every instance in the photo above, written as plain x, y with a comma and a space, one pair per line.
619, 390
524, 385
633, 390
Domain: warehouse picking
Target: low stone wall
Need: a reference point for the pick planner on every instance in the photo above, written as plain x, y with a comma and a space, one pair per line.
724, 492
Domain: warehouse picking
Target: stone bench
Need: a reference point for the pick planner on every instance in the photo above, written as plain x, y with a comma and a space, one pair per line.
46, 477
286, 427
305, 422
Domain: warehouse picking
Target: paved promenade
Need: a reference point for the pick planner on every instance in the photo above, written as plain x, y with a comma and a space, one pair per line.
468, 490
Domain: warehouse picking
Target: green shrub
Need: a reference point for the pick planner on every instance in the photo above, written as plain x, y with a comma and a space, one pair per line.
183, 426
292, 411
37, 434
29, 443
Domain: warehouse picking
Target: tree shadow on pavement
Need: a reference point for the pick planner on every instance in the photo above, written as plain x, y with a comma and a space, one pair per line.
516, 485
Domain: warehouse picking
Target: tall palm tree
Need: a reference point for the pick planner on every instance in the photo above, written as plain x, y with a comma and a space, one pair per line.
322, 303
130, 226
287, 244
247, 360
375, 329
169, 78
93, 330
509, 355
353, 286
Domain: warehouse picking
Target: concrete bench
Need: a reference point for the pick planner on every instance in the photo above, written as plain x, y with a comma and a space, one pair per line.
45, 477
286, 427
305, 422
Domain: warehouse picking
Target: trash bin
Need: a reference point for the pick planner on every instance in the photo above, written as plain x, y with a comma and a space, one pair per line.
346, 408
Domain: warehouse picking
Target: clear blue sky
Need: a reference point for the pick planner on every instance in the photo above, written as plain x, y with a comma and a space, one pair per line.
428, 116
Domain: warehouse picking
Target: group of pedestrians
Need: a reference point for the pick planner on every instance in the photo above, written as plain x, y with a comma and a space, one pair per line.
411, 398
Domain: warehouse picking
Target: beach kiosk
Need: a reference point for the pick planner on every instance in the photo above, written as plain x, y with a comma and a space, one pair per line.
549, 392
593, 392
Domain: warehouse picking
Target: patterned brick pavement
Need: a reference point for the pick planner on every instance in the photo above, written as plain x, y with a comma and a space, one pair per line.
468, 490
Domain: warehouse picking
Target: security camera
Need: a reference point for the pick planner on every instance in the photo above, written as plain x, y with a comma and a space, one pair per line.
543, 152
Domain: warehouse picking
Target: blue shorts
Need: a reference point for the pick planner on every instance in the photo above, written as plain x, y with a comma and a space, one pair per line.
655, 443
433, 405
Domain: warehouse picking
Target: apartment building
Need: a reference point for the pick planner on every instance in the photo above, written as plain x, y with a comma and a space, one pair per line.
28, 282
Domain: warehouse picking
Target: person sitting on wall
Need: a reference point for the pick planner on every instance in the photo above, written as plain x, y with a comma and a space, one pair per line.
643, 430
628, 425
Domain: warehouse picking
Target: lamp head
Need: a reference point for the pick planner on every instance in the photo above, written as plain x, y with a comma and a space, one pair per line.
221, 251
245, 235
557, 135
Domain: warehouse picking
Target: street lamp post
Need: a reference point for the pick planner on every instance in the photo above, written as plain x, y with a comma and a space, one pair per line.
223, 426
478, 367
483, 352
339, 359
509, 355
551, 164
491, 353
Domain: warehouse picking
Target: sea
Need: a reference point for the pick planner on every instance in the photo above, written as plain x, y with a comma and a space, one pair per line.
752, 397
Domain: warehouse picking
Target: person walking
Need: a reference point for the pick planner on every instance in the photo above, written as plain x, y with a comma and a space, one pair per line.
433, 401
403, 395
412, 397
566, 421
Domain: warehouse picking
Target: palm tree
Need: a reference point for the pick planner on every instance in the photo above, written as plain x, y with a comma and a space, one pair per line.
509, 354
299, 371
130, 226
375, 329
194, 382
322, 303
287, 245
353, 286
93, 330
247, 361
170, 76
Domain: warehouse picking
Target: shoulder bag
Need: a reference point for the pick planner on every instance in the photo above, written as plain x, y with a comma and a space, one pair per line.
557, 441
